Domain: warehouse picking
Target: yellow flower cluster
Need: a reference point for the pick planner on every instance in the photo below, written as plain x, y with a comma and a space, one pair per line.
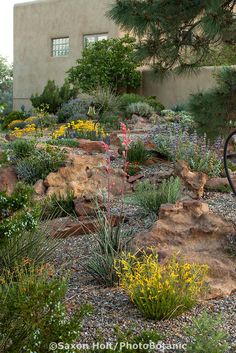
161, 291
31, 119
29, 129
81, 128
13, 123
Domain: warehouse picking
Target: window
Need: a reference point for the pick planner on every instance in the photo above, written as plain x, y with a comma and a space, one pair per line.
92, 38
60, 46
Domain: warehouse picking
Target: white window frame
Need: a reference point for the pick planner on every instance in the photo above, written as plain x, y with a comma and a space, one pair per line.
96, 36
60, 47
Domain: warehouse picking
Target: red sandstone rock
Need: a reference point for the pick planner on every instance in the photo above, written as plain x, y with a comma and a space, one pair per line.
191, 231
193, 182
8, 180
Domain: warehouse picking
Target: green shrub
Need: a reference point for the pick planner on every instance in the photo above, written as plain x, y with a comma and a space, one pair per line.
110, 243
20, 198
108, 63
153, 102
105, 99
131, 98
75, 109
214, 111
22, 221
206, 336
110, 121
129, 342
137, 152
161, 291
41, 163
59, 206
142, 109
177, 143
150, 198
15, 115
64, 142
33, 312
20, 148
53, 96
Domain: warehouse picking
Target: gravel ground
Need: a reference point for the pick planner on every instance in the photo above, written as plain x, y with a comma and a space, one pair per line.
112, 306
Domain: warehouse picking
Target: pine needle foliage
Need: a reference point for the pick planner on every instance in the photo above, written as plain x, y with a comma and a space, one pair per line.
176, 34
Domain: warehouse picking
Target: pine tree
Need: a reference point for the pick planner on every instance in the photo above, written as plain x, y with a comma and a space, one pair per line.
176, 33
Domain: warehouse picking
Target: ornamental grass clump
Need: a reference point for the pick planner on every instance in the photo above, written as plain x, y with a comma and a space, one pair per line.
150, 198
137, 153
161, 291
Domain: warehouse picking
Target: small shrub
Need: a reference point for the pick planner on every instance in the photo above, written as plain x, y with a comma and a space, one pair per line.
206, 336
110, 121
40, 164
142, 109
161, 291
15, 115
110, 242
177, 143
75, 109
68, 142
20, 148
133, 169
53, 96
22, 221
59, 206
33, 313
150, 198
131, 98
137, 152
129, 342
153, 102
105, 99
20, 198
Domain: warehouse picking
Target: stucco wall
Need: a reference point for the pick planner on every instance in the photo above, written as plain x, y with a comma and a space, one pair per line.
35, 24
175, 89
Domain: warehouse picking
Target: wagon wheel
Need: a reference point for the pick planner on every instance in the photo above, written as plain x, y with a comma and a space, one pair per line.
230, 160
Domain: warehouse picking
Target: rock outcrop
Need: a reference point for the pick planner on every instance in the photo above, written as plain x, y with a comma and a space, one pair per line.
8, 180
191, 231
86, 176
193, 182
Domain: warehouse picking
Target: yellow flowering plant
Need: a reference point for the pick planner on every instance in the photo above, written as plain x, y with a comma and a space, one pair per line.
161, 291
14, 123
29, 129
80, 129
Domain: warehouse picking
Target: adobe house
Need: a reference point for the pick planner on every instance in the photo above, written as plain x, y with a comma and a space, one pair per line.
49, 35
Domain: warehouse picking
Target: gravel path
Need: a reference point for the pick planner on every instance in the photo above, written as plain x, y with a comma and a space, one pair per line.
112, 306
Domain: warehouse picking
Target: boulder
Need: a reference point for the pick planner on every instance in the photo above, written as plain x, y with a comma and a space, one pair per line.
40, 188
217, 183
67, 227
8, 180
193, 182
90, 146
190, 230
86, 176
88, 207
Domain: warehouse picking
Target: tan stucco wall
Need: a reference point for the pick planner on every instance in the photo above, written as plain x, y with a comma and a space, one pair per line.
35, 24
175, 89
